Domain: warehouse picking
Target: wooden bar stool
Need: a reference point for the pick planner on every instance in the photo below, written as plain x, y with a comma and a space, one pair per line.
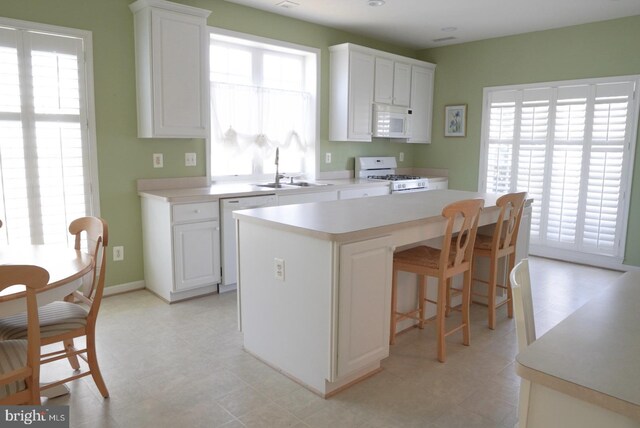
453, 259
502, 244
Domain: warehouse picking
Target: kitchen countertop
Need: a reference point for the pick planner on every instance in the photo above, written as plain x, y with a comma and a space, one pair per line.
592, 355
241, 189
333, 219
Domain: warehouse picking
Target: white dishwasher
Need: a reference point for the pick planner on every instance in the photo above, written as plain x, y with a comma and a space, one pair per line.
229, 266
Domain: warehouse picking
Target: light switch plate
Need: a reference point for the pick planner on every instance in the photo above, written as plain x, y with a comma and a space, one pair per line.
327, 158
189, 159
401, 156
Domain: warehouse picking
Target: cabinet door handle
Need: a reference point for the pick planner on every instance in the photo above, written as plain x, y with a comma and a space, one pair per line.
365, 195
196, 211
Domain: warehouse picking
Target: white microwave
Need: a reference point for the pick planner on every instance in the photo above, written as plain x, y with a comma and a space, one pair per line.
391, 121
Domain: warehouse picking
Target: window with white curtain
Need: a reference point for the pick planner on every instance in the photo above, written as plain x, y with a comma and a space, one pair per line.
45, 127
263, 97
570, 145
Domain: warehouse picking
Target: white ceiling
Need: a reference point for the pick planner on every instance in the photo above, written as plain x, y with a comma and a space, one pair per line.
417, 23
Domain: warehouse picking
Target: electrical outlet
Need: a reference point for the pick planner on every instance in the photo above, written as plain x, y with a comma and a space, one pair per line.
401, 156
157, 161
278, 265
118, 253
189, 159
327, 158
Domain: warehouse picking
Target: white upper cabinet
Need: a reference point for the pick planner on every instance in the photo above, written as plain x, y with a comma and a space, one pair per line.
172, 55
421, 104
361, 76
392, 82
351, 102
401, 84
383, 92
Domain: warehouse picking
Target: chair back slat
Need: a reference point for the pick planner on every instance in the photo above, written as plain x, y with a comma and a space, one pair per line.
511, 208
466, 212
96, 233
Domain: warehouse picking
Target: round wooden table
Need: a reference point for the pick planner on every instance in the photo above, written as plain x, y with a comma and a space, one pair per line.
65, 266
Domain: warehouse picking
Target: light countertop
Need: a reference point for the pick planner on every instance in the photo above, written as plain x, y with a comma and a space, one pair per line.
334, 218
594, 354
235, 190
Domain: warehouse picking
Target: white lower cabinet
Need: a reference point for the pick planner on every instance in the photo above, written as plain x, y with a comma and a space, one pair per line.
181, 246
364, 304
438, 184
365, 192
196, 248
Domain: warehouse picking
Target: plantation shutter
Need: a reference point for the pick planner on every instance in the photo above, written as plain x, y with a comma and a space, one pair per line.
44, 161
570, 146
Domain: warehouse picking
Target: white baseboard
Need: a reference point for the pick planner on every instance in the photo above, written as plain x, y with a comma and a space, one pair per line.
123, 288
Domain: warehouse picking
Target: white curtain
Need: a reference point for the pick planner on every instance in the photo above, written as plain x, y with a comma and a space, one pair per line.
249, 123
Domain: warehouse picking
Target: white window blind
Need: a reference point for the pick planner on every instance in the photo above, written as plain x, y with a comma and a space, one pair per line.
262, 98
570, 145
45, 176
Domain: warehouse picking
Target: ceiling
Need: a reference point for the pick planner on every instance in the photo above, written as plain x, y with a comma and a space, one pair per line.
419, 24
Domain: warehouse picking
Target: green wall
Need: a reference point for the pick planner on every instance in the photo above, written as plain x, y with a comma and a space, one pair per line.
608, 48
601, 49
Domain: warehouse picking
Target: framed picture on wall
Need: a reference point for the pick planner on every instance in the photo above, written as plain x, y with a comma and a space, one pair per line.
455, 120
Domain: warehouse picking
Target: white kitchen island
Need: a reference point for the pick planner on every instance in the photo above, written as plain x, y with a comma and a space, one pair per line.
315, 279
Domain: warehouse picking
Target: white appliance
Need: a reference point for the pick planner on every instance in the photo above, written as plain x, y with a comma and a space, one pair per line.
391, 121
229, 247
384, 169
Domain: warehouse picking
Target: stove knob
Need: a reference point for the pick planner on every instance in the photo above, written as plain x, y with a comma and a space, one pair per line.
402, 186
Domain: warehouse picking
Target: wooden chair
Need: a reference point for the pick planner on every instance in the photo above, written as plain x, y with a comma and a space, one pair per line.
525, 327
20, 359
61, 322
500, 245
453, 259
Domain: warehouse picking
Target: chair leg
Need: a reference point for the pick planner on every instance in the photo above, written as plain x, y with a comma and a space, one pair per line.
440, 321
422, 295
491, 292
466, 304
92, 361
394, 302
69, 347
447, 311
507, 282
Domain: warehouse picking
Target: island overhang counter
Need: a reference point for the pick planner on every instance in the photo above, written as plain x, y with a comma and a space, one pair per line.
314, 280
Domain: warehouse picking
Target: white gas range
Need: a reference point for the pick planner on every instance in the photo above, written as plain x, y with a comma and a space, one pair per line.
384, 169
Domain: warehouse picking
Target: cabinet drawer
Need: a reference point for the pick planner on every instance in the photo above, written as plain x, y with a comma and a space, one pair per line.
192, 212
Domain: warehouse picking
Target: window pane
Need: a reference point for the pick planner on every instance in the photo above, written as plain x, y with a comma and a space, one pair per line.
55, 83
283, 72
9, 80
60, 177
15, 200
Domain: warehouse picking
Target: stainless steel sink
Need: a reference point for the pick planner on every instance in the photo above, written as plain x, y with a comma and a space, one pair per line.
291, 185
306, 184
274, 185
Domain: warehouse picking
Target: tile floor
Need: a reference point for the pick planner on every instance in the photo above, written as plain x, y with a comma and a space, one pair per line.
182, 365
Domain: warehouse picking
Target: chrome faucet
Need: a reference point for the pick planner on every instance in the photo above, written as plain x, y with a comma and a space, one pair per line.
278, 176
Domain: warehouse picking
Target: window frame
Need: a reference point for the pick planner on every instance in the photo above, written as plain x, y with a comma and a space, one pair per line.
626, 174
314, 55
89, 113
